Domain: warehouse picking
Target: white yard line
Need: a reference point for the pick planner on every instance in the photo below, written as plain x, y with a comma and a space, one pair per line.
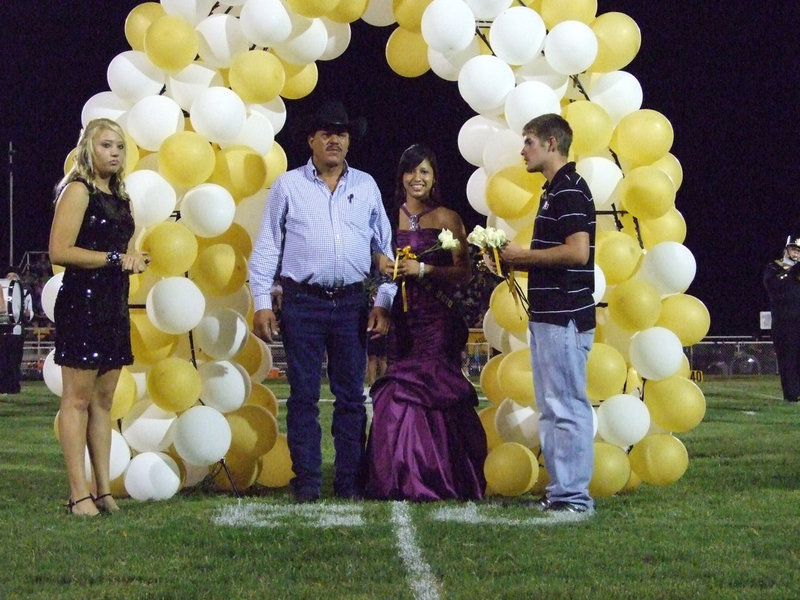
423, 583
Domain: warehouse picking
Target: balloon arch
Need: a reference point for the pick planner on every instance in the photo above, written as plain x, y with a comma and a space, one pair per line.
198, 186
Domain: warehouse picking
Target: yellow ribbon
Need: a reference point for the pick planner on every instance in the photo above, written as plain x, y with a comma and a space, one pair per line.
497, 261
403, 253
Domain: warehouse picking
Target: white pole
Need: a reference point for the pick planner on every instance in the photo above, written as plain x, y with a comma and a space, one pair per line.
11, 203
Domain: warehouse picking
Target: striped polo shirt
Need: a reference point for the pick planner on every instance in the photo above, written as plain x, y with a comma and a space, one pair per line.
558, 295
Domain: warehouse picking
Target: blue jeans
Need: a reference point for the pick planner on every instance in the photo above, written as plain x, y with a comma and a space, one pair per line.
558, 358
312, 326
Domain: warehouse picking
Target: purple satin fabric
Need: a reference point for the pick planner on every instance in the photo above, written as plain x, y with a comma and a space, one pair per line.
426, 441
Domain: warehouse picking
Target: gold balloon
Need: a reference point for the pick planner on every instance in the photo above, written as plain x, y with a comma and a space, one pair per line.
686, 316
243, 469
634, 304
642, 137
235, 235
257, 76
612, 470
407, 53
125, 395
490, 384
251, 355
591, 127
618, 41
513, 192
348, 11
312, 8
486, 415
138, 20
253, 430
240, 170
515, 375
555, 11
219, 270
172, 248
174, 384
408, 13
671, 227
171, 43
186, 159
659, 459
675, 403
300, 80
507, 308
511, 469
148, 343
672, 167
276, 162
605, 372
276, 465
647, 192
617, 254
262, 396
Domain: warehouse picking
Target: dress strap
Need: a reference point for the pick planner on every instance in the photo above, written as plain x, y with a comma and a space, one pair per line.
413, 220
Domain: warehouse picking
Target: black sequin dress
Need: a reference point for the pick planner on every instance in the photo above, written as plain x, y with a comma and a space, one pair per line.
91, 310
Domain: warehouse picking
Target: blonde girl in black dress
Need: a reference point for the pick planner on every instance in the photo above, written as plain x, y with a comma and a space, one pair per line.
91, 230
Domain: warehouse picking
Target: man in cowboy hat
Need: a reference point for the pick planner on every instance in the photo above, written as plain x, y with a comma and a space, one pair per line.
323, 223
782, 280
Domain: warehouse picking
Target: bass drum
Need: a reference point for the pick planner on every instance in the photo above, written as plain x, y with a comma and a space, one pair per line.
17, 296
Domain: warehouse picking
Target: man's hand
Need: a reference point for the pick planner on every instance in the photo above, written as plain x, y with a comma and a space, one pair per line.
378, 322
265, 324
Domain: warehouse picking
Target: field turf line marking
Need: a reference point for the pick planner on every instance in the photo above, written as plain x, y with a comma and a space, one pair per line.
423, 583
258, 514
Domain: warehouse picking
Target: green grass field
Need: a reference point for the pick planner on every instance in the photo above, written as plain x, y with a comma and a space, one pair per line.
728, 528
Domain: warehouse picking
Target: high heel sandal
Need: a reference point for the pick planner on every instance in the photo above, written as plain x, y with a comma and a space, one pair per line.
73, 503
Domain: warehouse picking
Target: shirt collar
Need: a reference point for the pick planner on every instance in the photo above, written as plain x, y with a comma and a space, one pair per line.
565, 171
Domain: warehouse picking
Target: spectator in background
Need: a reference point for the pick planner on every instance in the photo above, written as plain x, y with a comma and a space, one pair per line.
782, 280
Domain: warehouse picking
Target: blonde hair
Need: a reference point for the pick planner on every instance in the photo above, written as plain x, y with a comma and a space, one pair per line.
84, 167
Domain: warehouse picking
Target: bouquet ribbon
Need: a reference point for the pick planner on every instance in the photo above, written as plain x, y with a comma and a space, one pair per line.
403, 253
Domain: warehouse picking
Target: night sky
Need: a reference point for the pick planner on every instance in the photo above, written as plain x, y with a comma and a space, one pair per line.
721, 73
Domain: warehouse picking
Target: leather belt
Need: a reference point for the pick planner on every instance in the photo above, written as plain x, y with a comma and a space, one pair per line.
322, 291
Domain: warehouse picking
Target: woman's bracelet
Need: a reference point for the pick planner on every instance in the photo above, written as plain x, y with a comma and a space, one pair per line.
113, 258
421, 270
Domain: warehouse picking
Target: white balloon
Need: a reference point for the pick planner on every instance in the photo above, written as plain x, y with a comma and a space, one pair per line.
249, 213
619, 92
306, 43
152, 197
152, 476
105, 105
517, 35
476, 191
222, 333
379, 13
599, 284
448, 26
118, 461
339, 35
265, 366
226, 385
528, 100
132, 76
220, 39
622, 420
540, 70
495, 335
241, 301
484, 82
257, 134
473, 135
670, 267
218, 113
487, 9
274, 110
502, 150
516, 423
202, 436
152, 120
51, 372
570, 47
184, 85
193, 11
207, 210
656, 353
265, 22
602, 175
175, 305
448, 66
49, 295
146, 427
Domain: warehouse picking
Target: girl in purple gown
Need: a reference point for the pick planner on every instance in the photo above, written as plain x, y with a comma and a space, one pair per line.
426, 441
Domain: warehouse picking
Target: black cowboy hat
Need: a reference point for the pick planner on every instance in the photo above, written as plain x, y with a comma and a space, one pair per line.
332, 115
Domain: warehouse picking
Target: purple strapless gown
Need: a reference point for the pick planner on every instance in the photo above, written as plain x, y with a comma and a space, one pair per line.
426, 441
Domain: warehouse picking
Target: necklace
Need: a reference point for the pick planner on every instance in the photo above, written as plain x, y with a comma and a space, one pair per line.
413, 220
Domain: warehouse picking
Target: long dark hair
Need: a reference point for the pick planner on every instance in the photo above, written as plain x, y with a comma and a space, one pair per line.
411, 157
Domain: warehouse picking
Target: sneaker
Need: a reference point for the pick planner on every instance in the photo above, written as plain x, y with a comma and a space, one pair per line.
568, 511
542, 504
